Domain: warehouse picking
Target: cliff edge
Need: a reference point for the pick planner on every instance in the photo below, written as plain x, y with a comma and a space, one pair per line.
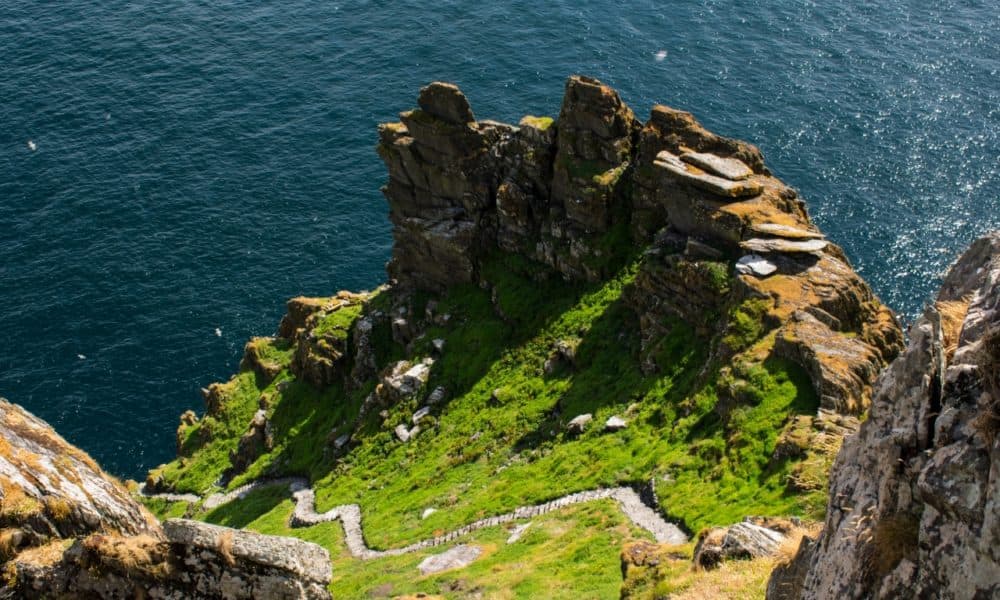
913, 509
69, 530
579, 307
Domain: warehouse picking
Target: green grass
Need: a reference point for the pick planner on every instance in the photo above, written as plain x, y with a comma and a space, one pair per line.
164, 509
568, 554
338, 323
499, 441
207, 443
540, 123
746, 323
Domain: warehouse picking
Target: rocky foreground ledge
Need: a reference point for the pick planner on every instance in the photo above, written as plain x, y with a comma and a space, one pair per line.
69, 530
914, 507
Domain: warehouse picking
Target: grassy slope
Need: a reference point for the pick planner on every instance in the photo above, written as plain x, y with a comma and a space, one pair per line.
498, 443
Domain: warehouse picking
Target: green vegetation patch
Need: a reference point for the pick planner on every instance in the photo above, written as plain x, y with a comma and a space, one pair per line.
208, 442
338, 323
540, 123
524, 353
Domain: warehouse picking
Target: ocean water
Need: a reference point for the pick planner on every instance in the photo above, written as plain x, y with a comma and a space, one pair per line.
171, 172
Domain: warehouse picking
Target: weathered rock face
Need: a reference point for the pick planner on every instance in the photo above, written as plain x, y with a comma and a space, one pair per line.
51, 490
914, 506
68, 530
320, 351
441, 188
596, 134
573, 192
196, 560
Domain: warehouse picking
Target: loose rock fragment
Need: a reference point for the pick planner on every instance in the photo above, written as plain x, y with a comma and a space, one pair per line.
754, 264
579, 423
455, 558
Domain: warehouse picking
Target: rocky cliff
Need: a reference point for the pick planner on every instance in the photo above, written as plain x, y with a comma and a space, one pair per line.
580, 309
71, 531
576, 304
578, 193
914, 509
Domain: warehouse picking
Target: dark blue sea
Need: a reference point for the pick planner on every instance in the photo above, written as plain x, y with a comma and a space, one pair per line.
172, 171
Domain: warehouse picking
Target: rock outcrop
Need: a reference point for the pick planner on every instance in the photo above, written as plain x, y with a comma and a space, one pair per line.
51, 490
69, 530
578, 192
914, 507
751, 538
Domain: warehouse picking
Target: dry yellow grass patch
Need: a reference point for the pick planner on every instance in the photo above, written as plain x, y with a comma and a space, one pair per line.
793, 539
952, 317
58, 508
733, 580
15, 505
44, 556
137, 555
225, 547
10, 538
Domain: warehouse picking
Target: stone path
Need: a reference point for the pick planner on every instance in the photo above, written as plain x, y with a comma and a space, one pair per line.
305, 514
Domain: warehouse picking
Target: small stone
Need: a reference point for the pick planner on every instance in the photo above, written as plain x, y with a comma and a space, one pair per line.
454, 558
402, 433
421, 413
437, 395
438, 344
579, 423
615, 423
427, 512
341, 441
754, 264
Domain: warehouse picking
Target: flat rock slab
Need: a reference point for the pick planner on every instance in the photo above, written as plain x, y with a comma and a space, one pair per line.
764, 245
754, 264
454, 558
718, 186
785, 231
730, 168
305, 559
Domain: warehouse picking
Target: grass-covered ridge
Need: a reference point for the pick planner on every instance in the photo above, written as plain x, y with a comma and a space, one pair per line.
500, 440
